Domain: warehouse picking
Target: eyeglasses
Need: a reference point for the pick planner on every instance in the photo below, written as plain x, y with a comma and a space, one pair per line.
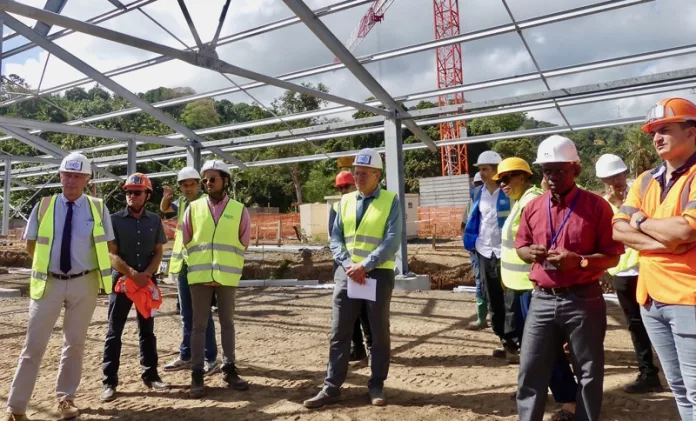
507, 177
210, 180
136, 193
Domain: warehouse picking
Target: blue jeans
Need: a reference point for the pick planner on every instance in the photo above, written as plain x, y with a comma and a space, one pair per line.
672, 331
187, 322
473, 258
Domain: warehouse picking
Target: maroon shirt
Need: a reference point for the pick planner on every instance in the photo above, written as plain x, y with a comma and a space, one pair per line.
587, 231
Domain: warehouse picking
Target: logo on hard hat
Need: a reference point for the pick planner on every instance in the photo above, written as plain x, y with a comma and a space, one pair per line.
363, 159
135, 179
73, 165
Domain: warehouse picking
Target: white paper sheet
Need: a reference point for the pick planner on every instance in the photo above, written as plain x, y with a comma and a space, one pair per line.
366, 291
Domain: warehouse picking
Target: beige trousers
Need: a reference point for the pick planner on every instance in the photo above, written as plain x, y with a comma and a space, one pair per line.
79, 298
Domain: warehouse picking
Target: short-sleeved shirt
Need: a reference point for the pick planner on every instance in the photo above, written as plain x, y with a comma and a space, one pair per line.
83, 255
136, 238
587, 231
667, 278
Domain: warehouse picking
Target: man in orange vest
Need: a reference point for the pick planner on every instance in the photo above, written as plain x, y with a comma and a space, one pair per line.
658, 219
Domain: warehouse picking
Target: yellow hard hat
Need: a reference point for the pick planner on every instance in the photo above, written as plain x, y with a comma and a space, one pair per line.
512, 164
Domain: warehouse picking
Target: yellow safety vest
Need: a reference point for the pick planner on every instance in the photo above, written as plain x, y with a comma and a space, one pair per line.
335, 206
513, 270
176, 261
215, 253
629, 259
44, 243
364, 239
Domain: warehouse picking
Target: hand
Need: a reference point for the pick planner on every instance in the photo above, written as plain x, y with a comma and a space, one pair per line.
564, 260
538, 252
634, 219
141, 279
357, 273
168, 193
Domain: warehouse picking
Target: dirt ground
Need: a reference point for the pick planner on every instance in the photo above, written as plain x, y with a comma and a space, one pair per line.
439, 370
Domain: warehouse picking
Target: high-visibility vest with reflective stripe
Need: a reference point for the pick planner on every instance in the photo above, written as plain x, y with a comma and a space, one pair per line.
364, 239
666, 278
629, 259
513, 270
215, 253
176, 261
44, 243
335, 206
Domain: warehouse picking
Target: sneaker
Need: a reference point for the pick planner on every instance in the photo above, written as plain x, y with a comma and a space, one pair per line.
197, 384
512, 356
320, 399
644, 383
377, 397
499, 352
14, 417
108, 393
177, 365
477, 325
68, 410
211, 368
230, 376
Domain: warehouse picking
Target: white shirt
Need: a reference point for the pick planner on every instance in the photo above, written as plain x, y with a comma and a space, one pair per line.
488, 241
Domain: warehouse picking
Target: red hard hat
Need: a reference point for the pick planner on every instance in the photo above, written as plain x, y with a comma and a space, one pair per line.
343, 178
138, 180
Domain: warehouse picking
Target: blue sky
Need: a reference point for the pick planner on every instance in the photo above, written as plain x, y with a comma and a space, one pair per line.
632, 30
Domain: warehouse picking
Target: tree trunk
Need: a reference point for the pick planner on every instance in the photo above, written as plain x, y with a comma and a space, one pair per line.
295, 175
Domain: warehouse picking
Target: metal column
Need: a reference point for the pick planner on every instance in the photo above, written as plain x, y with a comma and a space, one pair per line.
6, 198
132, 155
394, 154
193, 157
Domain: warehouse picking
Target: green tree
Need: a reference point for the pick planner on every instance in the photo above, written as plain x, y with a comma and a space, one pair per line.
200, 114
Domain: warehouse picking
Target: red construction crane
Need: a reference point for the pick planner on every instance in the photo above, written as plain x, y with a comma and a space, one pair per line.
448, 61
374, 15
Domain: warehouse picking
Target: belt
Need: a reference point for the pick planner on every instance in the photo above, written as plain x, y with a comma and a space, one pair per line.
565, 290
66, 277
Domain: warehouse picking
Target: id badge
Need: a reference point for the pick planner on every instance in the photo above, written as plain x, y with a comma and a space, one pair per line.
548, 266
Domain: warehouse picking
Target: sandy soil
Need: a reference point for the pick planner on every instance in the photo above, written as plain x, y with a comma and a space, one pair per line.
439, 370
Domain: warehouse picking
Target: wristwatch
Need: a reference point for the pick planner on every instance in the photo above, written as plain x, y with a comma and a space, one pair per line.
639, 221
583, 262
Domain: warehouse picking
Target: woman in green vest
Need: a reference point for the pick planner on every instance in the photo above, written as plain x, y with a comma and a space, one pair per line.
612, 171
514, 176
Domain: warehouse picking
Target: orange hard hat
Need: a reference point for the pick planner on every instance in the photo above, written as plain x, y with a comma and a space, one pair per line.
344, 177
138, 179
670, 110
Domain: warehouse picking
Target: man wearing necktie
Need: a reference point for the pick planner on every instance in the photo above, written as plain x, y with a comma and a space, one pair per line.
67, 236
365, 238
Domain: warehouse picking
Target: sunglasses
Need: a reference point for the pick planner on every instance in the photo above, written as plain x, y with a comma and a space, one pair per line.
344, 187
507, 177
210, 180
136, 193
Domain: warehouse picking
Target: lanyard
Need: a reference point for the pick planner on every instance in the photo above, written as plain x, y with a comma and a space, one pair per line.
554, 235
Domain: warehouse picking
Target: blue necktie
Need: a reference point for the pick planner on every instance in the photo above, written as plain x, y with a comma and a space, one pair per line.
65, 265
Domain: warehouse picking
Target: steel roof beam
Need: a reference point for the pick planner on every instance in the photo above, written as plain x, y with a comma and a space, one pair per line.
55, 6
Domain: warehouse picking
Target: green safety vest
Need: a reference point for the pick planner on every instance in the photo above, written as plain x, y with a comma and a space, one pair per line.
513, 270
44, 243
364, 239
176, 261
629, 259
215, 253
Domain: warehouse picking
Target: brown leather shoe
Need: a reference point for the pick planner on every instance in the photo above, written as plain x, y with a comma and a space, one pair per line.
68, 410
14, 417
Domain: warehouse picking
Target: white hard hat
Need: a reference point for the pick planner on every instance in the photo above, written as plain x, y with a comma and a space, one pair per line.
477, 177
557, 149
187, 173
77, 163
608, 165
215, 164
488, 158
368, 158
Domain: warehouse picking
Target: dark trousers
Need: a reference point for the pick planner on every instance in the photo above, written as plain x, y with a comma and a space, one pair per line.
119, 307
580, 316
345, 312
362, 327
626, 292
493, 293
562, 384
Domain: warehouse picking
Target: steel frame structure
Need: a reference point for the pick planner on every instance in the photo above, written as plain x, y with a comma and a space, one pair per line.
390, 117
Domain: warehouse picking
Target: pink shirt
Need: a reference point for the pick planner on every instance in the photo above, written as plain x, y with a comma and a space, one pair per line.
216, 209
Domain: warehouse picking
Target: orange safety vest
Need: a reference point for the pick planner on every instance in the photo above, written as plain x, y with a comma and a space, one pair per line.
667, 278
